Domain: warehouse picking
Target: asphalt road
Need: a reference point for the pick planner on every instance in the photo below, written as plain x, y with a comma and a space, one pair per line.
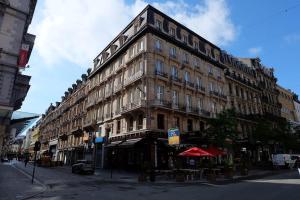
62, 185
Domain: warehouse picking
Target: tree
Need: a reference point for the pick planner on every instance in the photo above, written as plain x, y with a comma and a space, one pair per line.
263, 132
223, 128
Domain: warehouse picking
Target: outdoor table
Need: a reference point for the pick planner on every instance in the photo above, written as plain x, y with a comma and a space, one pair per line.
190, 174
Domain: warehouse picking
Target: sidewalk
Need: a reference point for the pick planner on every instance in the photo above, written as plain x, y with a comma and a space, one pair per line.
17, 184
121, 176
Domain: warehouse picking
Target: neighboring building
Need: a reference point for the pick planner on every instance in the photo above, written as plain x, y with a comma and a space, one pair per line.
156, 75
297, 108
267, 82
15, 49
61, 128
27, 141
35, 136
244, 94
287, 101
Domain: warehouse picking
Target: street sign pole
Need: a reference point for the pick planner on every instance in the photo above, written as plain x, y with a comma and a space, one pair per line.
33, 167
37, 147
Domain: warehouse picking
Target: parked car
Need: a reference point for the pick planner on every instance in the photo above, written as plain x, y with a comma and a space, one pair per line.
83, 166
4, 160
283, 161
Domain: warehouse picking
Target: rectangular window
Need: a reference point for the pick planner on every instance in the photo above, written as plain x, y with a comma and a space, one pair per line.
189, 125
196, 45
158, 45
210, 70
140, 122
159, 92
172, 32
118, 126
158, 24
175, 98
211, 87
174, 72
198, 82
159, 67
185, 58
185, 39
230, 88
160, 121
200, 104
187, 76
188, 102
176, 122
173, 52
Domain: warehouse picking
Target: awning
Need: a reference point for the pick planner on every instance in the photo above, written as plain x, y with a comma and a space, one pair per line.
130, 142
112, 144
196, 152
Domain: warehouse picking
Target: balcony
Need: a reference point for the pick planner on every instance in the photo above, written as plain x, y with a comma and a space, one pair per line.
90, 103
133, 78
175, 106
77, 131
160, 73
89, 124
133, 106
99, 99
118, 111
188, 109
201, 112
172, 56
175, 78
161, 103
217, 94
108, 115
200, 88
108, 93
118, 88
189, 84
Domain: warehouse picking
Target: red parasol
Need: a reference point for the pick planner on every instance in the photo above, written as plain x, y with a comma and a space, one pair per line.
195, 152
215, 151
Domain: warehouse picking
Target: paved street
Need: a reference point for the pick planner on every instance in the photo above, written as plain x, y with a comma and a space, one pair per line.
61, 184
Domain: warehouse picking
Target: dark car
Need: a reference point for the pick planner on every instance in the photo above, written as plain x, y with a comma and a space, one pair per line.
4, 160
83, 167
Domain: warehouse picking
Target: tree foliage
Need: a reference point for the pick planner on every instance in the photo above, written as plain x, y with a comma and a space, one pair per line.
223, 127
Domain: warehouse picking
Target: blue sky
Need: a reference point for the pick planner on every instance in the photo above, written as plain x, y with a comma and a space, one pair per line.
72, 33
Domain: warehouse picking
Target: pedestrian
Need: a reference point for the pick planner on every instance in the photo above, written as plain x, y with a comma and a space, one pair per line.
26, 161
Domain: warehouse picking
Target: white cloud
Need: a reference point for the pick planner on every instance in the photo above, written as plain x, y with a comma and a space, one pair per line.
255, 50
76, 30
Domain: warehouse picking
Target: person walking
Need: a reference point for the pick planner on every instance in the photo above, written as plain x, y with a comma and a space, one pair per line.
26, 161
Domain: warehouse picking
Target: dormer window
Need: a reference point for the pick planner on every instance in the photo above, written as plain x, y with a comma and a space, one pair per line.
158, 24
185, 39
196, 45
172, 32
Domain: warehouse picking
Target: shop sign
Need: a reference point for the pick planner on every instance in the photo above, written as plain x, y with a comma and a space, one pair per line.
99, 140
23, 55
173, 136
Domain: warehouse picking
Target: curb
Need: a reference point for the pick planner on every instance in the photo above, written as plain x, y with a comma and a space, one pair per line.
250, 177
44, 187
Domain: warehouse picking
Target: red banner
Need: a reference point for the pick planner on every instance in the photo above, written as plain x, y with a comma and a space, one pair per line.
23, 56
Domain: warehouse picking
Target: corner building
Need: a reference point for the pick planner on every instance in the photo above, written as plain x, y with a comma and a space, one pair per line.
155, 75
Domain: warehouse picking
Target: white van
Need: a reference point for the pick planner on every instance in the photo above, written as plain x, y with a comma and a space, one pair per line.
283, 160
